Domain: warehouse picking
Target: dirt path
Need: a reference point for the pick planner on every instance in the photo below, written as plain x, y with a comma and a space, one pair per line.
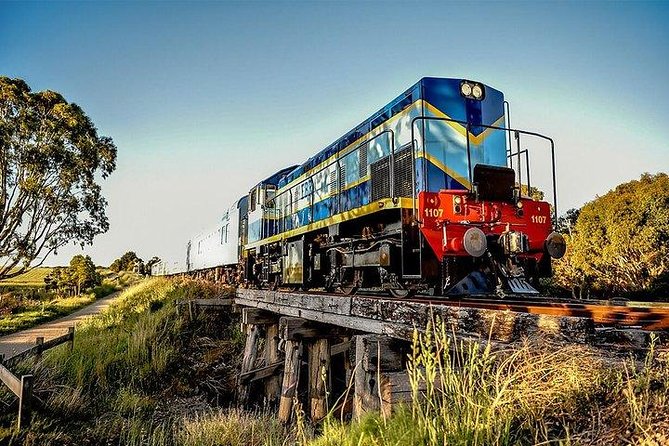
17, 342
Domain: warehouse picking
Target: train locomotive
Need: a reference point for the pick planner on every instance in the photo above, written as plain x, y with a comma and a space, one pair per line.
421, 197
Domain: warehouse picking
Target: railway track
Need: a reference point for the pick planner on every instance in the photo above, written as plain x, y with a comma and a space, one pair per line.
602, 313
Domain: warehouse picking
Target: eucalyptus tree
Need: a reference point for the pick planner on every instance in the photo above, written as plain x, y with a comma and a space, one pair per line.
51, 162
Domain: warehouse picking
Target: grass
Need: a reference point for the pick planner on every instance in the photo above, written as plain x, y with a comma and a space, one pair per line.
23, 313
32, 278
24, 303
470, 395
140, 375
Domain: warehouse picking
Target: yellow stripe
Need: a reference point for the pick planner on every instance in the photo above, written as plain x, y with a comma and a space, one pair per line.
378, 129
346, 150
462, 130
464, 181
386, 203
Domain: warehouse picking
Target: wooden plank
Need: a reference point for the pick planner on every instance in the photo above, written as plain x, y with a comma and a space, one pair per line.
384, 353
319, 377
51, 343
340, 348
251, 348
261, 373
25, 401
291, 377
248, 359
11, 381
293, 328
256, 316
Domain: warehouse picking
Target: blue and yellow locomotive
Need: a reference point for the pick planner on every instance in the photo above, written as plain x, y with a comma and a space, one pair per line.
421, 196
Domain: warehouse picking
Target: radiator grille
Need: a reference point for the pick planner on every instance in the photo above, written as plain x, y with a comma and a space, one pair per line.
380, 179
403, 176
380, 171
333, 181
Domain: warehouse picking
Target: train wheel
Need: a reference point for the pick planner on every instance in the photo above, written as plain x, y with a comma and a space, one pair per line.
400, 293
349, 290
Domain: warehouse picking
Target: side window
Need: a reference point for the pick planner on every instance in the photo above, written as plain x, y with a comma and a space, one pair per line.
252, 199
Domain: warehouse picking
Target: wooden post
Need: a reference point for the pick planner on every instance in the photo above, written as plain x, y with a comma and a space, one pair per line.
39, 342
375, 357
319, 377
273, 383
24, 401
249, 358
251, 348
70, 331
291, 376
190, 309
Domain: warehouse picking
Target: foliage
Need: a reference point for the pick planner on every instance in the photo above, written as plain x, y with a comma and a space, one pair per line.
620, 241
129, 380
470, 395
80, 275
128, 262
50, 158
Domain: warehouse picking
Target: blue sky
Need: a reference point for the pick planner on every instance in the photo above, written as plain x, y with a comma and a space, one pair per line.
204, 99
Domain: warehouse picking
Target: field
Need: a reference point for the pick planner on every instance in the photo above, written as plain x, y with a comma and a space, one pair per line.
33, 278
24, 302
140, 375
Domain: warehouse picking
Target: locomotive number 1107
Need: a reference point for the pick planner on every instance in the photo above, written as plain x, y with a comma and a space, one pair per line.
434, 212
539, 219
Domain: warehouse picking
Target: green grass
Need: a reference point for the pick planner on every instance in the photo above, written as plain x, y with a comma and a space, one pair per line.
140, 375
41, 312
32, 278
534, 394
126, 382
23, 312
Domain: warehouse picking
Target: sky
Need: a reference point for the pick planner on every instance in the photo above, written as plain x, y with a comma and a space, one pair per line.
203, 100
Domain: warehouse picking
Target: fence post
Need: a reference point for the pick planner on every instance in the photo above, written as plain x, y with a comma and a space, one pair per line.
24, 401
70, 331
39, 341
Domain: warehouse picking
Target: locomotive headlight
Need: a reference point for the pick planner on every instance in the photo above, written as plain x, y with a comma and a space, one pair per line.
475, 242
477, 91
555, 245
519, 204
457, 199
466, 89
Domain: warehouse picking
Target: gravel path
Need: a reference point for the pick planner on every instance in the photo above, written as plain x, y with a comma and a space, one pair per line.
17, 342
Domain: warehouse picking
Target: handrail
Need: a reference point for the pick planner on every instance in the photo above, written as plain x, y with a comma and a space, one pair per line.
527, 165
493, 127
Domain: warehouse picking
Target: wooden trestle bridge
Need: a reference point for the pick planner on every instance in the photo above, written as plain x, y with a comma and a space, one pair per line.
349, 353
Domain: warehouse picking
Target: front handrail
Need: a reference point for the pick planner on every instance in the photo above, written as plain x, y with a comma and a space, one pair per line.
467, 126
